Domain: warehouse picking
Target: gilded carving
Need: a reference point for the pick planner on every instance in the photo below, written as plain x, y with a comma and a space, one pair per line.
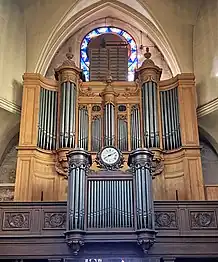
165, 219
54, 220
16, 220
85, 91
131, 92
203, 220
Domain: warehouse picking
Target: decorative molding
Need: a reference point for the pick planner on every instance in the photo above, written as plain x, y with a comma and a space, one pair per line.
9, 106
165, 220
207, 108
54, 220
16, 221
202, 220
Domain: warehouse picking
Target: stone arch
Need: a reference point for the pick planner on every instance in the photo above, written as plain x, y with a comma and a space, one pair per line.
70, 24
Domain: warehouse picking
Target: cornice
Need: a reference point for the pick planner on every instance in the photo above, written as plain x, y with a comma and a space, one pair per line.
10, 106
207, 108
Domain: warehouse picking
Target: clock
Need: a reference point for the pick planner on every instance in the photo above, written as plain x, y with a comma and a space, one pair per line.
110, 158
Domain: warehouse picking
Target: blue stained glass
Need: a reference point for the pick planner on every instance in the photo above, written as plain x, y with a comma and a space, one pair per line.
102, 30
116, 30
133, 59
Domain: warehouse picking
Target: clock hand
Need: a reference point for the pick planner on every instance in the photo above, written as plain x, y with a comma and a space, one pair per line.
110, 155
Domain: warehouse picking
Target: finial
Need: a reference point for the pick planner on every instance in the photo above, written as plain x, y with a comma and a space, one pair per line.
69, 55
109, 78
147, 54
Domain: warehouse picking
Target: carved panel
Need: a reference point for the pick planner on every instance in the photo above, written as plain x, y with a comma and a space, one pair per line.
54, 220
16, 221
165, 220
202, 219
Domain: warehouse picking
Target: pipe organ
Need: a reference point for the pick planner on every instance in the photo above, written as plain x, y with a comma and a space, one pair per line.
63, 114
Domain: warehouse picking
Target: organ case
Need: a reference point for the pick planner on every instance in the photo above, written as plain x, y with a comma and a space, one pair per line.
66, 113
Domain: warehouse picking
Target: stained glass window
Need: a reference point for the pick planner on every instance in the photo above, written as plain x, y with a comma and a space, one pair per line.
132, 60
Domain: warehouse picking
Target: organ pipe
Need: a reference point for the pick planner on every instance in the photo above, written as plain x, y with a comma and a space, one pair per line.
83, 127
68, 75
170, 119
96, 132
110, 203
79, 162
122, 130
109, 124
149, 77
68, 115
47, 124
135, 127
149, 115
140, 161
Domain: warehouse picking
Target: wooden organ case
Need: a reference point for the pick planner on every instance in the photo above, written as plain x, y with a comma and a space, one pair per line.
58, 115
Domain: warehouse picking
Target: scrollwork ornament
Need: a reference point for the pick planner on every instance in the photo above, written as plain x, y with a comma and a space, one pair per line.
203, 219
85, 91
16, 220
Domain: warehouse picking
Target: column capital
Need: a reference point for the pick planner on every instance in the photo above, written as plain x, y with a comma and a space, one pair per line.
79, 157
141, 157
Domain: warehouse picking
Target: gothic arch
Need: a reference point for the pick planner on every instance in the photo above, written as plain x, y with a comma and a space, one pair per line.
70, 24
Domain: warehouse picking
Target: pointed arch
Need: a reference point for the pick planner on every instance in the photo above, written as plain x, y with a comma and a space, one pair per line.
71, 23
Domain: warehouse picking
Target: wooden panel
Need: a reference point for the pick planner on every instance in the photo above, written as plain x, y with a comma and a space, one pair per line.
44, 185
22, 179
175, 180
211, 192
159, 190
194, 170
29, 116
188, 117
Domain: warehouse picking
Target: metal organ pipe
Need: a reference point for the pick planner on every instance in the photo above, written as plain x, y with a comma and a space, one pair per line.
83, 127
150, 115
67, 115
47, 125
110, 203
109, 124
140, 161
135, 127
170, 119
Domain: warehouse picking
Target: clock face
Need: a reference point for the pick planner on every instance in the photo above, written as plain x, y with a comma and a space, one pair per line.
110, 155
